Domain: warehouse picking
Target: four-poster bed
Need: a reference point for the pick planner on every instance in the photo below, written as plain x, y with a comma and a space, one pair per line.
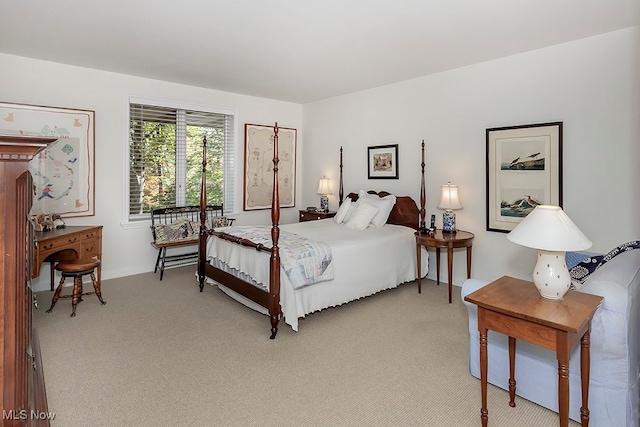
354, 263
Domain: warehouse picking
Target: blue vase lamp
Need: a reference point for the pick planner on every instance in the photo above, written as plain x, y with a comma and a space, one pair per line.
324, 191
449, 201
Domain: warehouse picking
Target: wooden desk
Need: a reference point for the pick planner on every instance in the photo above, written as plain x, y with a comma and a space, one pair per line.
438, 239
515, 308
85, 241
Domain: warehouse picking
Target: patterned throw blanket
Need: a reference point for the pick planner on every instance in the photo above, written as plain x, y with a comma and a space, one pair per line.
584, 269
304, 260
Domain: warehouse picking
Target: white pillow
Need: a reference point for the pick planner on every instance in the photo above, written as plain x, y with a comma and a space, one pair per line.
352, 210
343, 210
362, 216
384, 204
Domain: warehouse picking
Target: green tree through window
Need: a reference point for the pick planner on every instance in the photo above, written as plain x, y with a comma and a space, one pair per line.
165, 158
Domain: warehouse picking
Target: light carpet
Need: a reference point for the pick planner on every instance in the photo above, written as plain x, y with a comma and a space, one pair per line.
160, 353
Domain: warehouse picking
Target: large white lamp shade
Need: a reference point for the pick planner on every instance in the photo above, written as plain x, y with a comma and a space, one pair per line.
549, 230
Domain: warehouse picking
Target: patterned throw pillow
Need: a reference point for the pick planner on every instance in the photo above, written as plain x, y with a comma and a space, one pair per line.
195, 229
574, 258
178, 230
582, 270
219, 221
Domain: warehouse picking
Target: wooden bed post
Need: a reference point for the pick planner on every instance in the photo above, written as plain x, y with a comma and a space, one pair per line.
341, 190
423, 194
274, 273
202, 241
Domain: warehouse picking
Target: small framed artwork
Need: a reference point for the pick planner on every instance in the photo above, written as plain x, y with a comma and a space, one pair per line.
382, 162
258, 166
524, 169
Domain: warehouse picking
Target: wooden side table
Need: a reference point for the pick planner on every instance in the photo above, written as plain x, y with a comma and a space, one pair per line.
314, 216
438, 240
515, 308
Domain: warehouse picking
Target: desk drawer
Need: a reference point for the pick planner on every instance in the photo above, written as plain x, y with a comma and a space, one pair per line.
63, 242
42, 254
92, 234
90, 248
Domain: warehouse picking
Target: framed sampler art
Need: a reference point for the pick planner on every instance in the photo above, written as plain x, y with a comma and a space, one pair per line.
64, 172
524, 169
258, 166
382, 162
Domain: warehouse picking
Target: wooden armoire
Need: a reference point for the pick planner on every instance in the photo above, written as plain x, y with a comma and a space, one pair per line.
22, 392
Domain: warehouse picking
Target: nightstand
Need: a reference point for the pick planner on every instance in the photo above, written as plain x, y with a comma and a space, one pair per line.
314, 216
448, 241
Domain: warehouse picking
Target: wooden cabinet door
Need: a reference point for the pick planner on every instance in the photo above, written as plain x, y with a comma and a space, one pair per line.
15, 296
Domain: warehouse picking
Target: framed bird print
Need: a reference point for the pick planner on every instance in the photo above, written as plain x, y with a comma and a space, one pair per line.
524, 169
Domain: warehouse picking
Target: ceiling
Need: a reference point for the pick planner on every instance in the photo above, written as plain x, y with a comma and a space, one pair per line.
296, 50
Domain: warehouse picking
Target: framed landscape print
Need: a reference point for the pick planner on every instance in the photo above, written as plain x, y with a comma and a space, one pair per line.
258, 166
382, 161
524, 169
63, 173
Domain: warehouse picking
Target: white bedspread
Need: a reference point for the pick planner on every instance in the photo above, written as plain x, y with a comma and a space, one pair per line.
365, 262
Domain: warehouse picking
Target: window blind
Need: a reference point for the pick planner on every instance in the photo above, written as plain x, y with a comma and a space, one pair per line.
165, 164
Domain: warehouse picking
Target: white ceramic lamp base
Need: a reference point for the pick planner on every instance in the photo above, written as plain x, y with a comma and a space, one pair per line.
551, 275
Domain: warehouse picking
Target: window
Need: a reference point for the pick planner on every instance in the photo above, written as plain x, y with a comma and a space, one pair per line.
165, 157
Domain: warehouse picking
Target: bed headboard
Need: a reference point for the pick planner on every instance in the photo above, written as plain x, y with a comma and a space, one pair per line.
405, 211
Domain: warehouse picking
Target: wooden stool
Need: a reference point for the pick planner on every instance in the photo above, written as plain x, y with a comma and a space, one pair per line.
65, 255
76, 269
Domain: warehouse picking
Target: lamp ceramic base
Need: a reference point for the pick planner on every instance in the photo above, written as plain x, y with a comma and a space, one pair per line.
551, 275
449, 222
324, 203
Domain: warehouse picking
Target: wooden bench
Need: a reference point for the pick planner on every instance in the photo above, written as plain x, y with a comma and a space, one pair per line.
179, 227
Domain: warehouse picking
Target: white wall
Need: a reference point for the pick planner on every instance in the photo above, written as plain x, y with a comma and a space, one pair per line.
127, 251
592, 85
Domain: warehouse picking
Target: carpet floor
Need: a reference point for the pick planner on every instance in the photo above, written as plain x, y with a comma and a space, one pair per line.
160, 353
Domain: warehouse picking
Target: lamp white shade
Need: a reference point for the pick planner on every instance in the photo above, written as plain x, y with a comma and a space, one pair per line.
323, 186
449, 197
549, 230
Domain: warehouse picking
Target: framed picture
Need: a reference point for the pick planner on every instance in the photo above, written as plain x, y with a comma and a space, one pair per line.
258, 166
524, 169
64, 172
382, 162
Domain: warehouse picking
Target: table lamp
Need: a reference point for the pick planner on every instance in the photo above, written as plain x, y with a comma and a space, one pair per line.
324, 190
449, 201
549, 230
